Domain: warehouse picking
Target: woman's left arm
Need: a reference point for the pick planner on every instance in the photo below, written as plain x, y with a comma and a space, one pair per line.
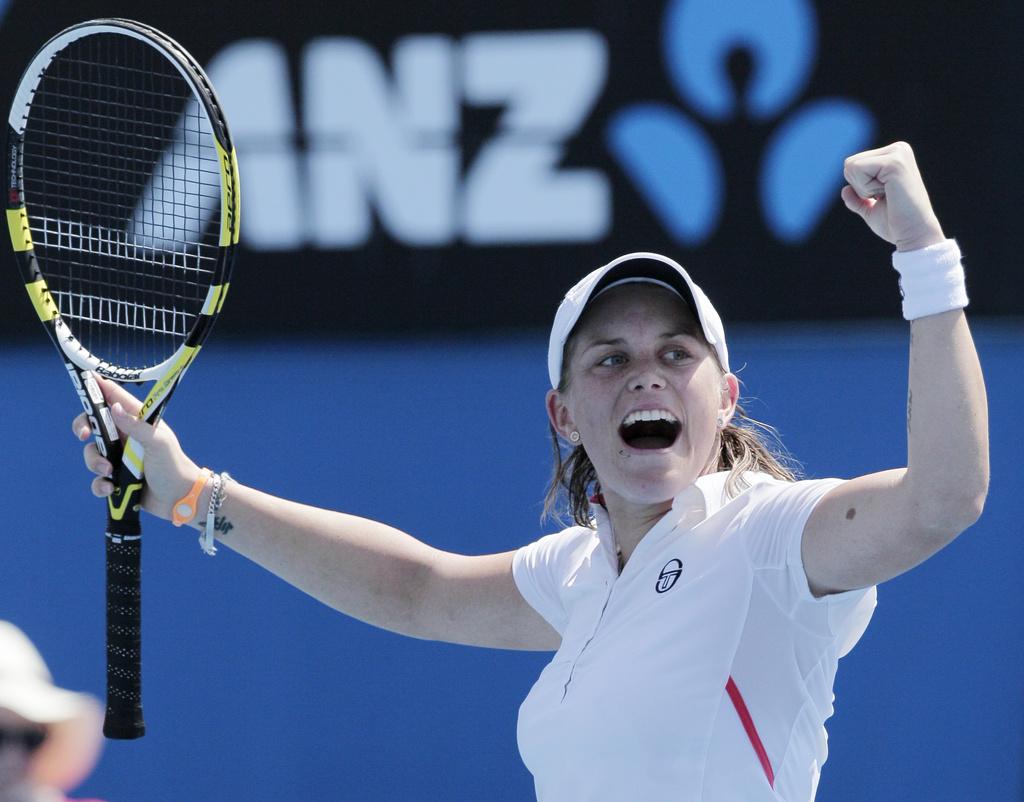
875, 527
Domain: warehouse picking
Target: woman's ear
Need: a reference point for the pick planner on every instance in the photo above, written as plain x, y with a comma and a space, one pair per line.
558, 414
729, 397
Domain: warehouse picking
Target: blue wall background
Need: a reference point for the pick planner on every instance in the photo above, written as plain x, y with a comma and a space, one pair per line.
255, 691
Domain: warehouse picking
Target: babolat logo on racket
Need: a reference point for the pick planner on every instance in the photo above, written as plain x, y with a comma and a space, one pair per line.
118, 374
668, 576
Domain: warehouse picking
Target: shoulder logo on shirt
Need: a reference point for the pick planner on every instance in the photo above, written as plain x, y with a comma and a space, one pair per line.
668, 576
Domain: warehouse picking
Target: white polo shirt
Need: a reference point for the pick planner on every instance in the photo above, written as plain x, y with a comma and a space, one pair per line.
704, 671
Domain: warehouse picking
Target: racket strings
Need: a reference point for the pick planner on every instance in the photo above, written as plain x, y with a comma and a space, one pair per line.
191, 276
123, 194
75, 237
72, 194
107, 311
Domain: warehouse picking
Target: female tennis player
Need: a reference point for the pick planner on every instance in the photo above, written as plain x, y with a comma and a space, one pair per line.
700, 603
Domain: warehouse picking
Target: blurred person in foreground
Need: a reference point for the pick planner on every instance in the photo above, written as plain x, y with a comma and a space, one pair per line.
700, 604
50, 738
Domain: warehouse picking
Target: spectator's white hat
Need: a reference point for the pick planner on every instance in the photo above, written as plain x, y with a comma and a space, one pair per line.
73, 721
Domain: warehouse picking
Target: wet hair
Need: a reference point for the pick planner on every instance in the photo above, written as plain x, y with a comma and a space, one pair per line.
744, 444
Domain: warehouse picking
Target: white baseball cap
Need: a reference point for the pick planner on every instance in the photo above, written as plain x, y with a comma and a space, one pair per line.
651, 268
73, 721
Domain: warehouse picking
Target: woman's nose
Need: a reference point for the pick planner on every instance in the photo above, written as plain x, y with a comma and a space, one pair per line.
646, 378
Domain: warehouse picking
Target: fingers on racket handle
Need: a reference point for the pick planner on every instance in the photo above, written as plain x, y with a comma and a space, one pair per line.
124, 630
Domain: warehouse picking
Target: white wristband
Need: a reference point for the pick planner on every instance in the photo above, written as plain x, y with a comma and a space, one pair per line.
931, 279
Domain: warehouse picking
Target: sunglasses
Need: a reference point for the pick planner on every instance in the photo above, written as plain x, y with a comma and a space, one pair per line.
29, 740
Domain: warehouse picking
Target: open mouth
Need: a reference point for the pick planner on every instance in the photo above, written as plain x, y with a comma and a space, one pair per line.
649, 429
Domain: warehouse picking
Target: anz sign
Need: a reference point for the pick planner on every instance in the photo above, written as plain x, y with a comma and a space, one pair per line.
380, 144
389, 144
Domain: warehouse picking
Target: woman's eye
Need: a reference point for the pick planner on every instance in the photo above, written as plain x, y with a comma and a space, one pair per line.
677, 355
612, 360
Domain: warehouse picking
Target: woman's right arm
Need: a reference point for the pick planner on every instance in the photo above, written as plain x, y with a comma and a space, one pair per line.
363, 568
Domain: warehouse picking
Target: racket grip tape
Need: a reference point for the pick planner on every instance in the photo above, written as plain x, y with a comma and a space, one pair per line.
124, 629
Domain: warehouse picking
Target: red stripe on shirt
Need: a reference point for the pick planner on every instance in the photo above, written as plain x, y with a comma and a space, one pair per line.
751, 730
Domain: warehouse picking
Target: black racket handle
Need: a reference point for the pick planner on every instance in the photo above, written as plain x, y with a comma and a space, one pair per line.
124, 563
124, 627
124, 603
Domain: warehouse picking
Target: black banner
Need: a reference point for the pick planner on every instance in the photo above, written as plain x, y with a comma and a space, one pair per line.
413, 166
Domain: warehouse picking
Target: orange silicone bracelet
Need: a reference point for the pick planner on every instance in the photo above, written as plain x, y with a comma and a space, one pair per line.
184, 509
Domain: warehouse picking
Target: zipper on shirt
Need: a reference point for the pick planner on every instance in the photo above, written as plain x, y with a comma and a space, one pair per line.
597, 626
600, 618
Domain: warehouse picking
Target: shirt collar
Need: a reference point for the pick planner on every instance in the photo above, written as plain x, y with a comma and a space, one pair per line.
712, 488
710, 485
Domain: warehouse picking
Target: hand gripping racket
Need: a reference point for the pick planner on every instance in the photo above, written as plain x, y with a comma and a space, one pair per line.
122, 205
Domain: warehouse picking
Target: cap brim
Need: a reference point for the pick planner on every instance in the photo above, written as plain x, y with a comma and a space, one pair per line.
643, 267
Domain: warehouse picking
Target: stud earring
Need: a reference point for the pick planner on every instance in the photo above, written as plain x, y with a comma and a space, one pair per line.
574, 436
721, 421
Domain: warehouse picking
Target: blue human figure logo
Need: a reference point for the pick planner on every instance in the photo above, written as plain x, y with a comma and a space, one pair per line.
672, 159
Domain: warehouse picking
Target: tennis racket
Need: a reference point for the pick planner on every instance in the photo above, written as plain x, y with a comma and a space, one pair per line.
123, 204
